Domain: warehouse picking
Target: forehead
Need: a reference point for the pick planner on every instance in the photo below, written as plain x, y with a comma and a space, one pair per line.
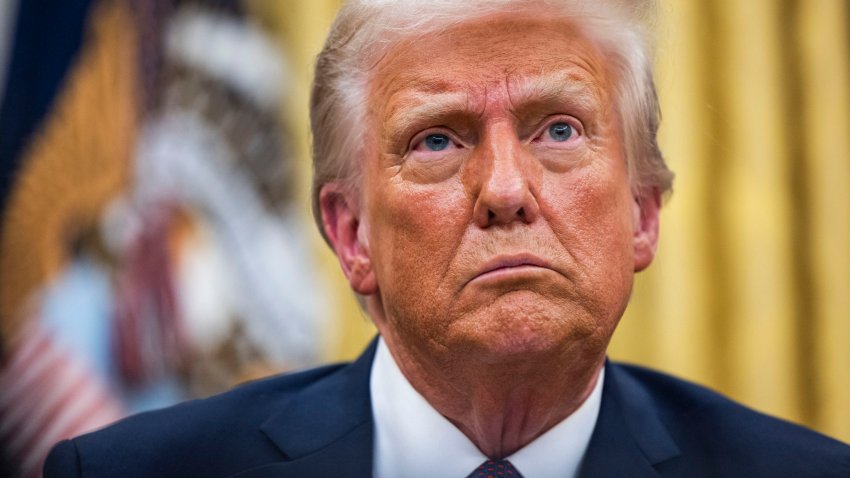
483, 54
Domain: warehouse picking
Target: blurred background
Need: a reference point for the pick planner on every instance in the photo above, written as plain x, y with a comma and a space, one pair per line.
157, 244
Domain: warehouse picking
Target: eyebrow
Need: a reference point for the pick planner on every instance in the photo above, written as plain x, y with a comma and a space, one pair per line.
426, 103
555, 88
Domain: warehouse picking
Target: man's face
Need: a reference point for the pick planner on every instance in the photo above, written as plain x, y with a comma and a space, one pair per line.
496, 214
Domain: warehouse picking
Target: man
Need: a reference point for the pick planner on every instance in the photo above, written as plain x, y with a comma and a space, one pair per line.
488, 176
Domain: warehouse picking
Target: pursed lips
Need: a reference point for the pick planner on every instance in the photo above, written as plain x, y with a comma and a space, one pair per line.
508, 264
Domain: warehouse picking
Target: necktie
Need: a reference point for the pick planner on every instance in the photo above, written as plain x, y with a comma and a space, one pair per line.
495, 469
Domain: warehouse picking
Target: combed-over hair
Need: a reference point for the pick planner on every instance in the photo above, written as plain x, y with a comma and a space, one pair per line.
364, 30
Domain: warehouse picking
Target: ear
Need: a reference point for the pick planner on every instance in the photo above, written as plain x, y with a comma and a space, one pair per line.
647, 207
347, 235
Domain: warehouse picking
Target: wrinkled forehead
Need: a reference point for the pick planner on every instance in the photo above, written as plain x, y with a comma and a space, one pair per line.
485, 41
514, 53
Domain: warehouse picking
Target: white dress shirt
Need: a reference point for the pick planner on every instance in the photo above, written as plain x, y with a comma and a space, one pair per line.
413, 440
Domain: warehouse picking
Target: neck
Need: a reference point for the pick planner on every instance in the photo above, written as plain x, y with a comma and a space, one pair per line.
503, 406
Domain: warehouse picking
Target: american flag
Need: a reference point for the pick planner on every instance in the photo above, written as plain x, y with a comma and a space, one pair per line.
48, 393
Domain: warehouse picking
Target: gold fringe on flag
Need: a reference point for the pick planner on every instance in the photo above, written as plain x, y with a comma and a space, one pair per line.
76, 164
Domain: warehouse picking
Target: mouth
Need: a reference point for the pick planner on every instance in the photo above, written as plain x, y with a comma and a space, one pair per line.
510, 267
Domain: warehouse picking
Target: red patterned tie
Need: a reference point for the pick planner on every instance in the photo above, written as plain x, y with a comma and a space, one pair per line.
495, 469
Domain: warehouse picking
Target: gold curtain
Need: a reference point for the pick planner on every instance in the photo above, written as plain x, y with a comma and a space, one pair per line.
750, 292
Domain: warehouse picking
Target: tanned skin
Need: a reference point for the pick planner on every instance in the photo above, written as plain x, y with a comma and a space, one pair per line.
495, 233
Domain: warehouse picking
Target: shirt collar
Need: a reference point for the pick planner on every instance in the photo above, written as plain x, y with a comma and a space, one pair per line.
413, 440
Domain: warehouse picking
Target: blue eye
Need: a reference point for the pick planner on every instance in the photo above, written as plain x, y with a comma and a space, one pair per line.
437, 142
560, 131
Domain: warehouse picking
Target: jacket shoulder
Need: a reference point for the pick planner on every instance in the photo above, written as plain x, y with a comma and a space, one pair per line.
718, 434
215, 436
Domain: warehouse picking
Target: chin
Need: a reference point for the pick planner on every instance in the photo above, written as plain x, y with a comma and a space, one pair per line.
523, 329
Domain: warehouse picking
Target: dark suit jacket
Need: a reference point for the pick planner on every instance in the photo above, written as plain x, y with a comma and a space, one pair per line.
318, 423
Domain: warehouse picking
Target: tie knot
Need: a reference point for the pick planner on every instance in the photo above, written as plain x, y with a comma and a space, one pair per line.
495, 469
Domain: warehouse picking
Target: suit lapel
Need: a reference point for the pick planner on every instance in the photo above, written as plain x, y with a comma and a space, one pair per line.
325, 430
347, 457
629, 438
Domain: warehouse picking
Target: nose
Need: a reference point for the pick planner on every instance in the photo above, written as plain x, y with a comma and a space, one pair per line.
506, 194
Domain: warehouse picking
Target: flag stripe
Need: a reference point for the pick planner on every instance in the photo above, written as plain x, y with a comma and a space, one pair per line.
56, 392
48, 394
24, 377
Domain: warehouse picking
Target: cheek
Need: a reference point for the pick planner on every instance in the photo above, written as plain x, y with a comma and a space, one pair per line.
592, 215
416, 230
